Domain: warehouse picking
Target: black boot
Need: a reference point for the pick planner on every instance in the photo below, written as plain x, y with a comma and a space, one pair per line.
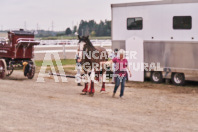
79, 84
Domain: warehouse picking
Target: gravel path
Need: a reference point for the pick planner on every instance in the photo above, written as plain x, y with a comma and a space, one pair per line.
28, 106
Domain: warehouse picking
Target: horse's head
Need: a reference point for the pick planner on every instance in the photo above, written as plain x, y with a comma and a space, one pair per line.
82, 42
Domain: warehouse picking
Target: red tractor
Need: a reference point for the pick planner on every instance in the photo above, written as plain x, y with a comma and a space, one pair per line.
17, 52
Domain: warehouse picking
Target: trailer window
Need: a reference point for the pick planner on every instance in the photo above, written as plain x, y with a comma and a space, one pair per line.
135, 23
182, 22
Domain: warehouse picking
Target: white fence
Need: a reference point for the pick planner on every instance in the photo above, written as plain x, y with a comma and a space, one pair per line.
71, 42
60, 46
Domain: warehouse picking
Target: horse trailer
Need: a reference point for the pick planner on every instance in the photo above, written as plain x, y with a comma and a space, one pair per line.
164, 36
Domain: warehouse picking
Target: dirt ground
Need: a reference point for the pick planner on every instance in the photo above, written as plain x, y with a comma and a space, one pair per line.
28, 106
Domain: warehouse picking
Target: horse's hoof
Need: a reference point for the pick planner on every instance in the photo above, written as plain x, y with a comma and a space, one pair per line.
91, 94
83, 93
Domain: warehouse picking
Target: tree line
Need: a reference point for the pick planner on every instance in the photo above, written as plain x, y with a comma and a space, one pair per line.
91, 28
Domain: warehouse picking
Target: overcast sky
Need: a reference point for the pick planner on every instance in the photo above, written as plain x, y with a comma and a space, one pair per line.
64, 13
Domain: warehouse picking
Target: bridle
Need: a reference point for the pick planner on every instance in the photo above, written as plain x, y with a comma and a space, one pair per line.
82, 49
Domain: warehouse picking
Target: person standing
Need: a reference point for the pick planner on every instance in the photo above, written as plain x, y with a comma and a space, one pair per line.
112, 56
121, 67
78, 68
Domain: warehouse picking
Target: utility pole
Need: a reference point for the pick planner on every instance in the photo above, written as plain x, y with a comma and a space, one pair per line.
37, 26
72, 25
25, 25
52, 26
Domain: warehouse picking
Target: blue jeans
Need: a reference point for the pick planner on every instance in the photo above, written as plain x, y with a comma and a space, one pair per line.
119, 80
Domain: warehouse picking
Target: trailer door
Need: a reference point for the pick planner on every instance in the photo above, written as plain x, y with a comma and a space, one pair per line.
135, 56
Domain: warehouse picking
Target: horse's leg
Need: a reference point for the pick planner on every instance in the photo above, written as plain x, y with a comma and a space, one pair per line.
97, 75
91, 89
103, 82
85, 90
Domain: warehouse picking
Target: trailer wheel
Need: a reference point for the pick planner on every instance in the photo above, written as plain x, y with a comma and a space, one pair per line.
156, 77
3, 69
178, 79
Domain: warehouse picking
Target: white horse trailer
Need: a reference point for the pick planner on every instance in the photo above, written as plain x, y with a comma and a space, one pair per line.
160, 32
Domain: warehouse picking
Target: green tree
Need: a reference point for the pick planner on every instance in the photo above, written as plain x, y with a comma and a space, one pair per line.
101, 29
93, 33
68, 31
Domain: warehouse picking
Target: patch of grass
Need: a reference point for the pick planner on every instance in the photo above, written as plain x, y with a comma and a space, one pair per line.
69, 68
68, 62
189, 88
39, 63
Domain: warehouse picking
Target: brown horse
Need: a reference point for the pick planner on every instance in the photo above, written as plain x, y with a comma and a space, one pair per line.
90, 59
